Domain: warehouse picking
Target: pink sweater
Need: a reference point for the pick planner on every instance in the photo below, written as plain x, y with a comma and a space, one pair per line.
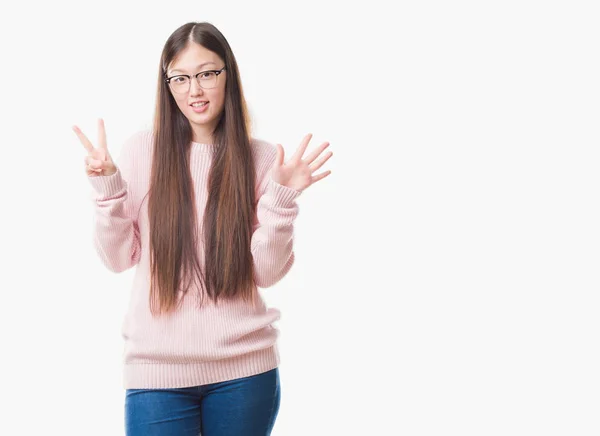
192, 346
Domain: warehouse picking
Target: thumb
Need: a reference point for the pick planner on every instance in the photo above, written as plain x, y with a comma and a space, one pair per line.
279, 156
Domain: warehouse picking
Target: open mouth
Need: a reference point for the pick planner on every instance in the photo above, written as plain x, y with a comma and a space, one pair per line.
199, 106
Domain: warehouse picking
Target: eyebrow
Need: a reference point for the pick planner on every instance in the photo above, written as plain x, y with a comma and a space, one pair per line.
198, 67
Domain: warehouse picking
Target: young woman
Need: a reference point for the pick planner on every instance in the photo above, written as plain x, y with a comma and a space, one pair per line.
205, 212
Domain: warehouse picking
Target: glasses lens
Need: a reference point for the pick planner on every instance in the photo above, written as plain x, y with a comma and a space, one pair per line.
208, 79
180, 84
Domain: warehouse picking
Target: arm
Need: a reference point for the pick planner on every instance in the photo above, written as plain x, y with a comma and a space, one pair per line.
272, 239
277, 209
116, 232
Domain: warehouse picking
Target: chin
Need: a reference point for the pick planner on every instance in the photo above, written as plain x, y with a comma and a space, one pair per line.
194, 116
201, 121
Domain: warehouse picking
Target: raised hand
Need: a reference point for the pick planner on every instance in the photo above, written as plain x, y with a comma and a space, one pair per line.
297, 173
98, 161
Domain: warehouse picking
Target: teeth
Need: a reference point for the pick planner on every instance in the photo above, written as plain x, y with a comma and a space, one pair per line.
199, 104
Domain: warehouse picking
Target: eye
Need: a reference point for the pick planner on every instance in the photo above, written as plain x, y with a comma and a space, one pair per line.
179, 80
207, 75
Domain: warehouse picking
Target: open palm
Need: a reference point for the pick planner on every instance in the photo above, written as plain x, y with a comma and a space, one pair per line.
297, 173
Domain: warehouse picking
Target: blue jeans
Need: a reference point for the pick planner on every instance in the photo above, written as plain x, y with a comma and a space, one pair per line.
246, 406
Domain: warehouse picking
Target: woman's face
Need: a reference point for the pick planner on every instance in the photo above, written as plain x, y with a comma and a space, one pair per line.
201, 106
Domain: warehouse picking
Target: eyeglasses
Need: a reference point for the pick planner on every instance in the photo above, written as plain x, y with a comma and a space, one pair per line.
206, 80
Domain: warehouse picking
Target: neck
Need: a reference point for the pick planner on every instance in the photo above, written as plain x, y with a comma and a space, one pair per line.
202, 134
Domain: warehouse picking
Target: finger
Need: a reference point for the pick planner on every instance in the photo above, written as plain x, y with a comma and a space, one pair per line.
318, 164
279, 156
302, 148
320, 176
95, 163
86, 142
101, 135
311, 157
90, 170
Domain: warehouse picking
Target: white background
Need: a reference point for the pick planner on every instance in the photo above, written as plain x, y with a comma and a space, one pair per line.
446, 280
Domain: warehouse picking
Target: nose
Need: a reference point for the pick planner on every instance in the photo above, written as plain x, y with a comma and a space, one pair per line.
195, 88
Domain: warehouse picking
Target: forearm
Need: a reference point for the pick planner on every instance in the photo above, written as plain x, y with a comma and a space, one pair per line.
272, 241
116, 234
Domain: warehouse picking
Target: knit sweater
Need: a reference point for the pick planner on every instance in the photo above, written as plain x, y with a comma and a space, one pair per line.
196, 344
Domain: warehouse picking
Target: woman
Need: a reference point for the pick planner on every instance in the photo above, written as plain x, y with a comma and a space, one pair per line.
205, 212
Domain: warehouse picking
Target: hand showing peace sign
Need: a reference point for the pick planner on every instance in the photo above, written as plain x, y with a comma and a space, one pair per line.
98, 161
297, 173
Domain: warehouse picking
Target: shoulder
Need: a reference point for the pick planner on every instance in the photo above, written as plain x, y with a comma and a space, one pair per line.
135, 155
264, 152
136, 147
261, 145
139, 141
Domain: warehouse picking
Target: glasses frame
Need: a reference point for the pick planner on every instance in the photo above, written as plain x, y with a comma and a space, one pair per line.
217, 72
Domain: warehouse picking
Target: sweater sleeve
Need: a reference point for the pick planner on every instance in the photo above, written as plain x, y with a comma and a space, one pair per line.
272, 238
116, 231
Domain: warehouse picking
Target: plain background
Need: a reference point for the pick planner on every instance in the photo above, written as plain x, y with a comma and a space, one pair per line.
446, 280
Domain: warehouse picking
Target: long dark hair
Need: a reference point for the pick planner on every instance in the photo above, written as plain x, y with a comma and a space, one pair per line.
230, 208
